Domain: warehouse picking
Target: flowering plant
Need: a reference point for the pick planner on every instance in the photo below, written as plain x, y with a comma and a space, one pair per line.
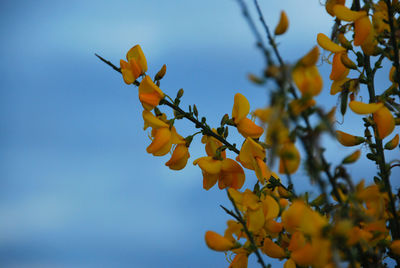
348, 223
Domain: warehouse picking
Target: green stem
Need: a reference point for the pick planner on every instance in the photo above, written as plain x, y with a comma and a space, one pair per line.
384, 172
206, 130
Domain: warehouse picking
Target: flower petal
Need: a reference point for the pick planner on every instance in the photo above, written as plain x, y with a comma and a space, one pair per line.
217, 242
137, 54
327, 44
384, 122
179, 157
346, 14
364, 108
283, 24
161, 144
248, 128
241, 107
150, 120
362, 29
347, 139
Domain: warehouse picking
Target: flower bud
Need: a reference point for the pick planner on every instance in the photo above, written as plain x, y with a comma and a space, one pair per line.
347, 139
347, 62
390, 145
161, 73
352, 157
283, 24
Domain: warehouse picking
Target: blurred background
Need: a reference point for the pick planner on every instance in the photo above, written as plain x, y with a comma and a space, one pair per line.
77, 188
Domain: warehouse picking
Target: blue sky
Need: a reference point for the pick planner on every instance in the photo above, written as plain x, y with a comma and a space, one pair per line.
78, 188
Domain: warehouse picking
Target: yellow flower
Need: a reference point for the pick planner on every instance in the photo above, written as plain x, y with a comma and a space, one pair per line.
251, 205
283, 24
149, 93
289, 264
337, 86
308, 80
272, 249
390, 145
384, 121
136, 65
289, 158
331, 3
212, 144
292, 217
240, 260
311, 58
227, 172
234, 228
179, 157
245, 126
364, 108
163, 137
326, 43
380, 17
263, 114
273, 228
270, 207
298, 106
252, 156
315, 254
362, 24
339, 71
217, 242
297, 241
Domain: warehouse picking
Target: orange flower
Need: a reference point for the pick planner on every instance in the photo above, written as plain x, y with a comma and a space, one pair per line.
227, 172
149, 93
339, 71
179, 157
136, 65
212, 144
362, 24
384, 122
240, 260
283, 24
308, 80
364, 108
292, 217
289, 158
245, 126
217, 242
163, 137
272, 249
252, 156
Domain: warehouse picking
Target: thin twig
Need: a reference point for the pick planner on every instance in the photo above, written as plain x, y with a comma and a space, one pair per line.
384, 172
269, 36
393, 41
206, 130
240, 219
253, 28
108, 63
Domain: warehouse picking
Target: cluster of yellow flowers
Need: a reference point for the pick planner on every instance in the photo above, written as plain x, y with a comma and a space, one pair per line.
360, 225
